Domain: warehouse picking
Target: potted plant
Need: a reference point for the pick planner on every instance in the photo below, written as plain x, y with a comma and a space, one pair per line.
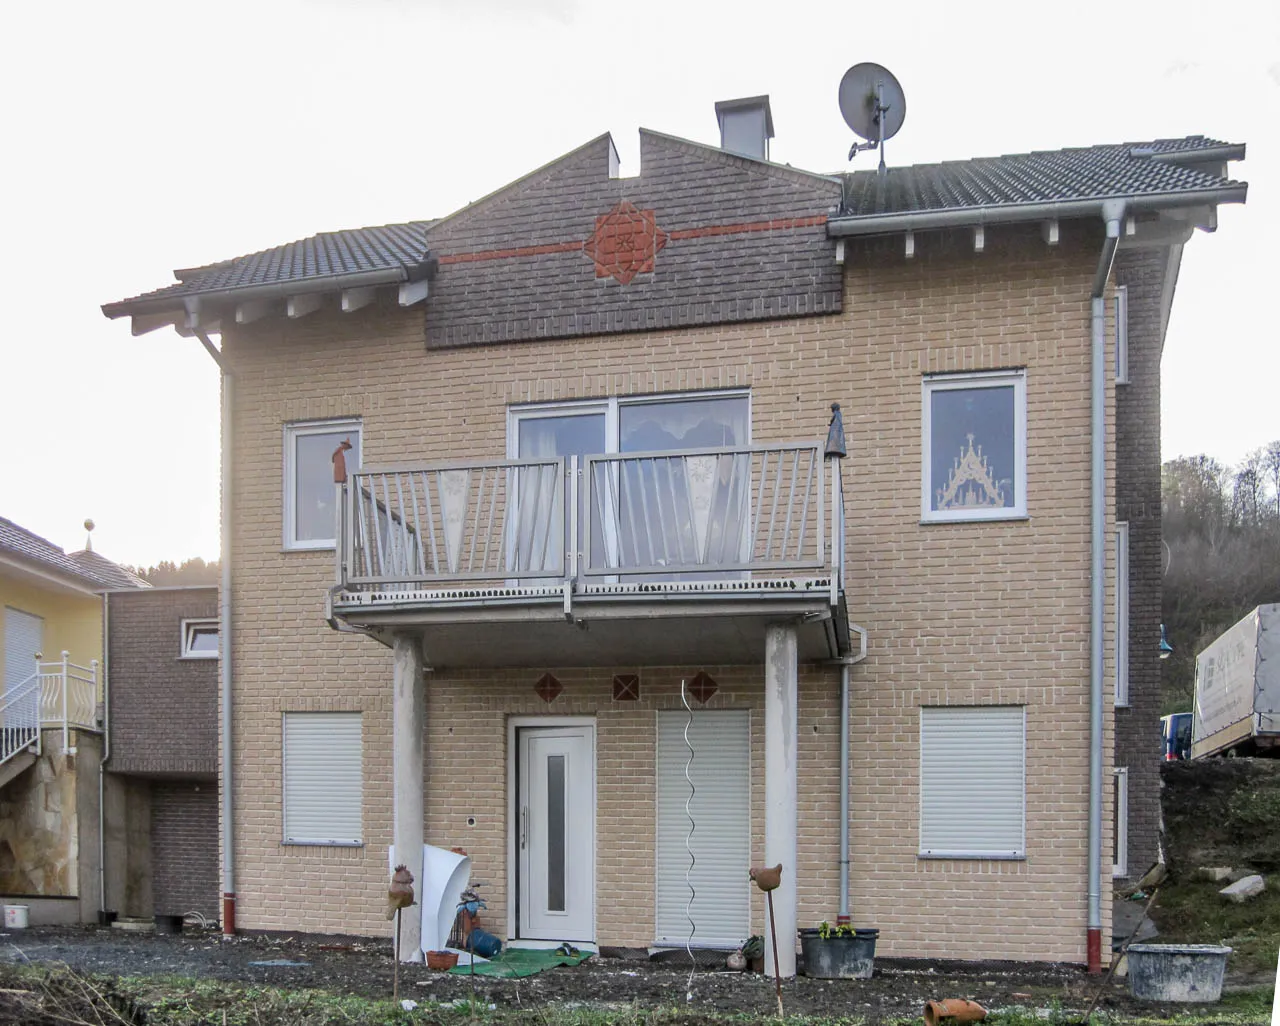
839, 952
753, 951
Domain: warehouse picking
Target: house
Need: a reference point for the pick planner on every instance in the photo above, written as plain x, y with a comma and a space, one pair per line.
161, 816
536, 514
51, 722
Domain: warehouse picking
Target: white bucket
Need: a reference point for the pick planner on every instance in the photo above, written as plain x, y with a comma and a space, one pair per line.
15, 917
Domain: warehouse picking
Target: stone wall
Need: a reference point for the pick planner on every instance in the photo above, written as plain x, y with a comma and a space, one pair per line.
39, 841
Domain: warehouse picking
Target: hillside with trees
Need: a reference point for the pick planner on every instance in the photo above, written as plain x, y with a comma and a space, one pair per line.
1222, 554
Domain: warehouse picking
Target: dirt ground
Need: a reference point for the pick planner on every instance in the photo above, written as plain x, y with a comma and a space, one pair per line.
363, 967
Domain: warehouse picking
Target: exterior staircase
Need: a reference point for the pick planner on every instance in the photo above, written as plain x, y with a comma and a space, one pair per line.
59, 695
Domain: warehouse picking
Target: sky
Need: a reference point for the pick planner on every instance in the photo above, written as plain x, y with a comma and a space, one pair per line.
144, 136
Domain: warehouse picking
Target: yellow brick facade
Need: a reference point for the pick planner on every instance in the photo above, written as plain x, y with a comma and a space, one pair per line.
956, 613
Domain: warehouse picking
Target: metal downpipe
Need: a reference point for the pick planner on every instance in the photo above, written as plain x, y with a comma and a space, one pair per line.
1113, 215
224, 667
843, 910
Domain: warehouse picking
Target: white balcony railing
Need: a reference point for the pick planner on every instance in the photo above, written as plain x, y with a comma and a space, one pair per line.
58, 694
731, 513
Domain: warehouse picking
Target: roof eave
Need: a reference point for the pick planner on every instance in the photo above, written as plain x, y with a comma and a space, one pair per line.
1009, 213
246, 293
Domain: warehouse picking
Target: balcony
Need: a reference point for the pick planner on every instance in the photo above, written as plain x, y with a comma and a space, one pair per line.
617, 559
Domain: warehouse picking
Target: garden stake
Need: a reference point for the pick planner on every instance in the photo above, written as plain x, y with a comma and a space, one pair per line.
777, 972
395, 976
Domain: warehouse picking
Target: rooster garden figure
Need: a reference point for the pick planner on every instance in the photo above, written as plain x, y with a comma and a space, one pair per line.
767, 879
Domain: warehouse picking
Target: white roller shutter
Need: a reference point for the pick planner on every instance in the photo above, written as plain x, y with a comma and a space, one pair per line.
23, 638
322, 778
721, 841
972, 781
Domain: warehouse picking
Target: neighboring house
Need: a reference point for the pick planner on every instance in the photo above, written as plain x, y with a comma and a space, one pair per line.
162, 796
51, 722
588, 417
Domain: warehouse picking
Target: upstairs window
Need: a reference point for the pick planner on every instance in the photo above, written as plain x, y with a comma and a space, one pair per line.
199, 639
975, 446
309, 511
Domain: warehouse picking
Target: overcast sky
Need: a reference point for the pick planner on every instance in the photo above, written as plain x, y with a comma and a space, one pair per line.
143, 136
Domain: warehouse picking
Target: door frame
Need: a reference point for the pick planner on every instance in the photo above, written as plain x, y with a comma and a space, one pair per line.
514, 725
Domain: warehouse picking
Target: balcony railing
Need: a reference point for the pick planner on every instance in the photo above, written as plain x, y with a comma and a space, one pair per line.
726, 513
58, 694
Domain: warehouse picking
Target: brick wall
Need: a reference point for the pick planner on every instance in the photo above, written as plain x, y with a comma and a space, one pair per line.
1138, 502
164, 709
732, 239
184, 847
957, 613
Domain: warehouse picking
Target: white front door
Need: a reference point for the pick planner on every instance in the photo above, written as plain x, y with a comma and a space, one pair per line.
555, 833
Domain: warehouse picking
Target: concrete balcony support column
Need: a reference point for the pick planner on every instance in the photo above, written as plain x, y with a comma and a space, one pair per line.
409, 716
781, 737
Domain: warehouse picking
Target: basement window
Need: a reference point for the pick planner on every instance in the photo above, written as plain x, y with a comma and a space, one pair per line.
975, 447
199, 639
310, 514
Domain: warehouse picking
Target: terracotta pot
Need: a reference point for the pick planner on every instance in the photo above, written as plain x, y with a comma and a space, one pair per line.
442, 959
956, 1009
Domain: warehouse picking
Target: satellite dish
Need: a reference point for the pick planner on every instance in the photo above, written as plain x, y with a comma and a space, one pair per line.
873, 105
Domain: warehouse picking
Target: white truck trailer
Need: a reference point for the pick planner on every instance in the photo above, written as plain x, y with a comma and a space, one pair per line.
1238, 688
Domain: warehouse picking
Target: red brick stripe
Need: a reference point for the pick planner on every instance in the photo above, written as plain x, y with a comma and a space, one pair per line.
779, 224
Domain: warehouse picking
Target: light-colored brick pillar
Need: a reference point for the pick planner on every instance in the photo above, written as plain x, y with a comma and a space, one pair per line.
781, 738
409, 716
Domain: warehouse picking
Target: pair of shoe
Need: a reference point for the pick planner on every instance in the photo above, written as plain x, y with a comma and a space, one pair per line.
568, 950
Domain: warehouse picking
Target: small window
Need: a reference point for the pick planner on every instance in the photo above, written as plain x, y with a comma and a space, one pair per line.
975, 428
323, 778
973, 782
199, 639
1122, 614
1122, 335
309, 512
1120, 821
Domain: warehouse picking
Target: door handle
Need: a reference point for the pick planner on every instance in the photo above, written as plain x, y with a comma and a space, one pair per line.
524, 826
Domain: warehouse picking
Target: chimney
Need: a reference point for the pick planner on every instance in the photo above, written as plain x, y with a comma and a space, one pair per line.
746, 126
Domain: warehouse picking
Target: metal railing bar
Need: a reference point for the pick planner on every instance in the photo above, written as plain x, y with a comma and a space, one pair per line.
804, 512
625, 491
657, 498
431, 520
715, 450
417, 523
377, 537
644, 509
541, 562
475, 515
785, 566
435, 466
488, 530
791, 503
406, 553
757, 509
594, 490
773, 509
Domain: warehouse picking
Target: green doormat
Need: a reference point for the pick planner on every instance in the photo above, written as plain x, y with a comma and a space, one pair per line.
512, 963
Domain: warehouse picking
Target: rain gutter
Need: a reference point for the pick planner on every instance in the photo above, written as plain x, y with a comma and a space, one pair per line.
998, 213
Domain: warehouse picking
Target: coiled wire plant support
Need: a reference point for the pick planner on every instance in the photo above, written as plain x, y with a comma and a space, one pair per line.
688, 843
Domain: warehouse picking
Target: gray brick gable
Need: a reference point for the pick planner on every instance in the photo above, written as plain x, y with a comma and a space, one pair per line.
743, 240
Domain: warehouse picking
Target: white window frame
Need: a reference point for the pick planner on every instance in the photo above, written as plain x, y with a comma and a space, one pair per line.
292, 432
1122, 614
955, 382
610, 408
1120, 795
1017, 852
190, 627
1122, 334
331, 842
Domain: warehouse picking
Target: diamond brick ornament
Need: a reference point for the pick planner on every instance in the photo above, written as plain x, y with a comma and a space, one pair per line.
548, 688
625, 242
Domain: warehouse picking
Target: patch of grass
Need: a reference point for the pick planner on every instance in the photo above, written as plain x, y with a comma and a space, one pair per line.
1193, 912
